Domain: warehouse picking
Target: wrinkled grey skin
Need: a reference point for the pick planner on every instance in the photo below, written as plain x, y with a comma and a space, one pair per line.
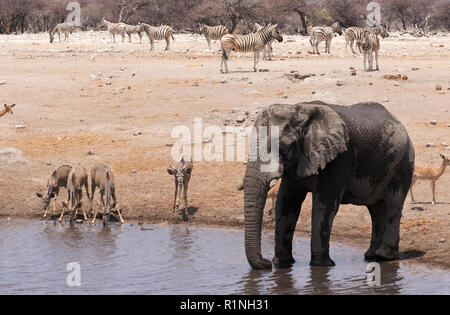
359, 155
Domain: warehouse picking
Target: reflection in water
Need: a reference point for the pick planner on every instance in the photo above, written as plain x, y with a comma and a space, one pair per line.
183, 260
319, 280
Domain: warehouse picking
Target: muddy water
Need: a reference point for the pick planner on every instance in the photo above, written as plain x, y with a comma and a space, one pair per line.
182, 260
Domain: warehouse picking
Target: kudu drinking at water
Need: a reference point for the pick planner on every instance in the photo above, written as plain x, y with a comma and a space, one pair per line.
55, 182
103, 178
78, 178
182, 174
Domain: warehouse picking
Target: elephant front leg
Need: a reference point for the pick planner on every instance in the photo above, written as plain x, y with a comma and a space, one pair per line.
288, 205
326, 201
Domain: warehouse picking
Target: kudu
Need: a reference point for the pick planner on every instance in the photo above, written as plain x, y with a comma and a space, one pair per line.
56, 181
78, 178
103, 178
182, 174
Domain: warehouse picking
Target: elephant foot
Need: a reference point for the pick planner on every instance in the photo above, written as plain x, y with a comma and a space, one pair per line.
261, 263
283, 263
322, 261
385, 253
370, 255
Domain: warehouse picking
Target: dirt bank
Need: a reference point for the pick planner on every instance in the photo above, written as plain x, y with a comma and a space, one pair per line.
122, 102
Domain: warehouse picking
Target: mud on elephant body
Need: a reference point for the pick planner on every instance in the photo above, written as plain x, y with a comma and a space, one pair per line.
359, 155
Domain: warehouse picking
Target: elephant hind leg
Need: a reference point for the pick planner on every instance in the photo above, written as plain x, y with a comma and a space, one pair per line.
288, 205
386, 218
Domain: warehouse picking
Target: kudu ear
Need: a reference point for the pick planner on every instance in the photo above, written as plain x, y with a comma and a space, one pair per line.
324, 139
39, 195
171, 171
52, 195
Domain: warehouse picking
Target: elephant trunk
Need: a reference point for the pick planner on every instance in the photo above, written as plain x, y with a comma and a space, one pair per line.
255, 194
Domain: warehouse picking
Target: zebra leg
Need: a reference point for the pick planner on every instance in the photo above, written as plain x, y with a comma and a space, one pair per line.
167, 44
351, 46
114, 37
209, 43
364, 61
224, 61
270, 51
376, 58
152, 43
123, 37
129, 38
256, 61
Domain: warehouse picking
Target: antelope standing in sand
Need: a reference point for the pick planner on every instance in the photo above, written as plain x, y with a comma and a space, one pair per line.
78, 178
103, 178
272, 194
7, 109
56, 181
182, 174
430, 173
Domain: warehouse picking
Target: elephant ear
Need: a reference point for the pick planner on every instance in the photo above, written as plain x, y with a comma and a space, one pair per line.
325, 136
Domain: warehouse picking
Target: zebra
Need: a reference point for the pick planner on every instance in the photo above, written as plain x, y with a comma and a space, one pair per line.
320, 34
370, 45
355, 33
212, 32
159, 33
134, 29
61, 28
268, 50
254, 42
114, 29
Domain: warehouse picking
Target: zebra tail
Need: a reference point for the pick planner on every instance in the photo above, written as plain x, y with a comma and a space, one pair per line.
224, 54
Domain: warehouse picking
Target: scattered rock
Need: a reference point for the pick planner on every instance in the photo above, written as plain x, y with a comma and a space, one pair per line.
417, 209
415, 69
444, 144
438, 88
430, 145
93, 77
298, 77
433, 122
353, 72
392, 76
90, 152
196, 83
48, 163
2, 82
396, 84
241, 119
340, 83
133, 172
386, 100
19, 127
442, 240
405, 78
137, 133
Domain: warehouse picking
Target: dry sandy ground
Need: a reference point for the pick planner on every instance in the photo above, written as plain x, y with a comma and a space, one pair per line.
92, 95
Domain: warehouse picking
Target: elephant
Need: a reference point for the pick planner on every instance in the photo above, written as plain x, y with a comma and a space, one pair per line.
358, 154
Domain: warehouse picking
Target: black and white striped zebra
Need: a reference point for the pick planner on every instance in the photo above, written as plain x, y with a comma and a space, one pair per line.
324, 34
163, 32
356, 34
61, 28
370, 45
268, 50
212, 32
114, 29
134, 29
254, 42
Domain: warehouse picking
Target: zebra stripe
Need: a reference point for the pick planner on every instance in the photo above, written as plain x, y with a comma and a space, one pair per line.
115, 29
355, 33
134, 29
164, 32
61, 28
254, 42
370, 46
212, 32
324, 34
268, 50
